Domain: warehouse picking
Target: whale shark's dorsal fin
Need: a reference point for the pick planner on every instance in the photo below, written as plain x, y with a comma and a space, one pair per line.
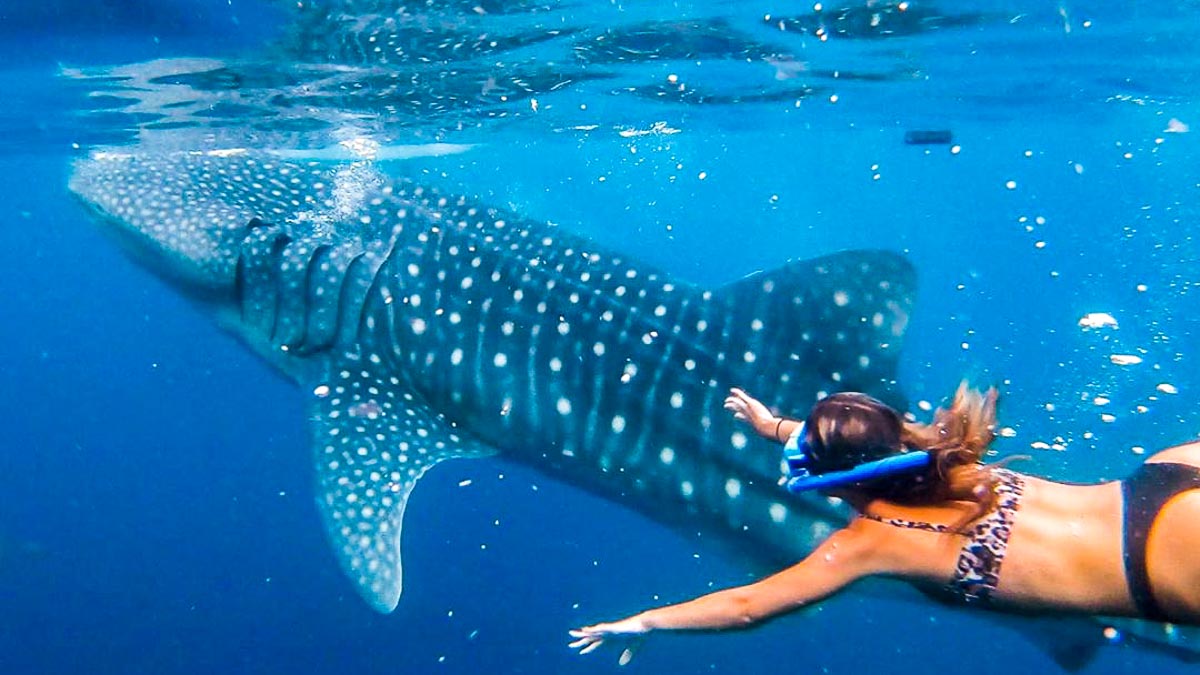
840, 316
373, 438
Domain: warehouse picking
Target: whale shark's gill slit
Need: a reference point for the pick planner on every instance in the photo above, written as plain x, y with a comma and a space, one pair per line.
351, 300
253, 235
328, 272
295, 279
312, 272
259, 272
396, 337
256, 223
278, 246
379, 334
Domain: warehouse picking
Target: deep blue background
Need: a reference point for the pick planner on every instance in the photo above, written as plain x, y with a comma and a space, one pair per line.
155, 492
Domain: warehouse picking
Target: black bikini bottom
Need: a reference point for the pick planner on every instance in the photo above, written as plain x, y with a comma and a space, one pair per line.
1146, 492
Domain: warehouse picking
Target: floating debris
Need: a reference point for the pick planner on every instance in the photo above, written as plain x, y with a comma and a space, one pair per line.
1125, 359
1098, 320
928, 137
1175, 126
658, 128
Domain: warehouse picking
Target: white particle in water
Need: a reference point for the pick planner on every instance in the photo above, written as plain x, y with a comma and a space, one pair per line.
1098, 320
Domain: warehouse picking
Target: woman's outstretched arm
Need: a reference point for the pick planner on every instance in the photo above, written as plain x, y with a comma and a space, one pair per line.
760, 418
842, 559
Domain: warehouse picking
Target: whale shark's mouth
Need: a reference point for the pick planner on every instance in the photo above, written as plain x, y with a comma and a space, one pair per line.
196, 282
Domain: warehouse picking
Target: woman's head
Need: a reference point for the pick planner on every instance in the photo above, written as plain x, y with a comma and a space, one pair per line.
847, 429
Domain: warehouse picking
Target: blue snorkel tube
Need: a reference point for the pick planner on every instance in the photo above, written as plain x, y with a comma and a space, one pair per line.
797, 456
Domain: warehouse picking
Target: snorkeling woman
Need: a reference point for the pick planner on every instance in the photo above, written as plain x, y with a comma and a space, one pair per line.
929, 512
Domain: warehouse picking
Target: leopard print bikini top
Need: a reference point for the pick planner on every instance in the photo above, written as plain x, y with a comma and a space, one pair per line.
978, 569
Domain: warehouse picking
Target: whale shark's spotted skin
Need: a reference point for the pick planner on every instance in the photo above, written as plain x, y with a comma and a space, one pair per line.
428, 326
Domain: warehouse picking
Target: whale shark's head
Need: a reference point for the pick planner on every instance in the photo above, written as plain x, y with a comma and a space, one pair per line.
185, 225
186, 215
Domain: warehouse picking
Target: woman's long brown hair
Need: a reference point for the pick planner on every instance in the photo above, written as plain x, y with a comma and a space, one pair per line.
958, 437
849, 428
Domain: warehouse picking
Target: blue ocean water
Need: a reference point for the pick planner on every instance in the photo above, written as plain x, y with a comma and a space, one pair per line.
157, 512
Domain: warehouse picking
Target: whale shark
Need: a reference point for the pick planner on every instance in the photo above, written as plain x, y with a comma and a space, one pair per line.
427, 326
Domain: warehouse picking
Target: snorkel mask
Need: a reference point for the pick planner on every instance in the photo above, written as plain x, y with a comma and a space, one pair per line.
798, 457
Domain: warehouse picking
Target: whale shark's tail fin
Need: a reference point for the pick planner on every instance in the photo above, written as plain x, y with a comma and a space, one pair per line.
840, 318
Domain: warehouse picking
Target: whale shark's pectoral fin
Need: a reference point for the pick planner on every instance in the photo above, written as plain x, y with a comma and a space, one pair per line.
374, 438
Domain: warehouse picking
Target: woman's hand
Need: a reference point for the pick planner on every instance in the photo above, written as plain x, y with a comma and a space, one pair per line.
751, 411
590, 638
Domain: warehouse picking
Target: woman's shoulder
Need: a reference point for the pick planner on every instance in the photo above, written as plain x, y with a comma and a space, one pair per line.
932, 517
909, 541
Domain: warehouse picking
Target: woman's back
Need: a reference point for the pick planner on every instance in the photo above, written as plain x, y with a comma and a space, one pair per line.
1064, 544
1066, 549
